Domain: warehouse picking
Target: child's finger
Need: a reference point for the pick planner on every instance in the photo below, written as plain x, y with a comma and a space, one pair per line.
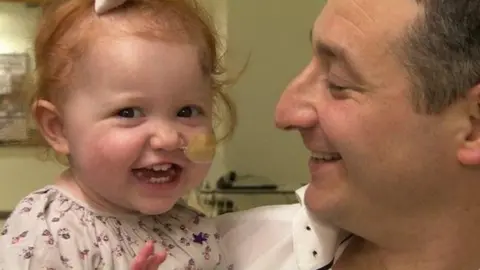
137, 265
141, 259
156, 260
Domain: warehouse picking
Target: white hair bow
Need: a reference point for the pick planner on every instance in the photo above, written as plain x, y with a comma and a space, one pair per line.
103, 6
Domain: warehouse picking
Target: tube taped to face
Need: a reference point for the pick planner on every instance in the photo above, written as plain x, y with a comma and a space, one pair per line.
103, 6
201, 148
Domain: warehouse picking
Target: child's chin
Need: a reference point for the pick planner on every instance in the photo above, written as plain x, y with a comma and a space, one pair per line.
157, 209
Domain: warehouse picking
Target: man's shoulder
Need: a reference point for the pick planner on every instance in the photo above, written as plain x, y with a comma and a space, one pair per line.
259, 218
268, 212
256, 238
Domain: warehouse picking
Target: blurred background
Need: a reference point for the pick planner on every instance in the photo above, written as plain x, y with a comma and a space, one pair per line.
259, 166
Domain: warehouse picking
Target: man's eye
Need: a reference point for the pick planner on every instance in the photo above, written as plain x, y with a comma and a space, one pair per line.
130, 113
334, 87
189, 111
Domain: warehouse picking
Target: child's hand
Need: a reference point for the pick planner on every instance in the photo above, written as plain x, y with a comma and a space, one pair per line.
147, 259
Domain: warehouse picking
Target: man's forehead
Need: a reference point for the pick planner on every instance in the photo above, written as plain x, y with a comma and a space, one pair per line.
360, 24
369, 16
358, 36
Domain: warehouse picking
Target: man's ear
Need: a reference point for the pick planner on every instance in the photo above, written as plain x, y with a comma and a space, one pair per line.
50, 124
469, 151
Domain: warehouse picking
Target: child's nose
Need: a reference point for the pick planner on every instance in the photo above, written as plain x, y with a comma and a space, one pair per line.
166, 138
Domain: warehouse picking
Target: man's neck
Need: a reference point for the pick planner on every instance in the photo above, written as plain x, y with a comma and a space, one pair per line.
447, 244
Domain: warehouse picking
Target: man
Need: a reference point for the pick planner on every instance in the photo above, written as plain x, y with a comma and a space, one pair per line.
389, 108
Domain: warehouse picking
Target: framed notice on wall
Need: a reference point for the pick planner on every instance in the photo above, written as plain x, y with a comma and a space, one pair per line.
14, 124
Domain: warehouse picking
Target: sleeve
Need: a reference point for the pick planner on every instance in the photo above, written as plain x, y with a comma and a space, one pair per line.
28, 241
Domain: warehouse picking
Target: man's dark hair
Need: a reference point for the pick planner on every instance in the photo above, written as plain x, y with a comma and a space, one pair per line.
442, 49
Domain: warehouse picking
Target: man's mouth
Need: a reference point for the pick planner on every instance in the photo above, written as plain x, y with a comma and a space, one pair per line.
158, 173
326, 156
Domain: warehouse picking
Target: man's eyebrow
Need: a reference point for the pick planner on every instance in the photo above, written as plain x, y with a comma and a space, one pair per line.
322, 49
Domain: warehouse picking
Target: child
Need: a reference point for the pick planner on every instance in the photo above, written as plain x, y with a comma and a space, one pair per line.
120, 94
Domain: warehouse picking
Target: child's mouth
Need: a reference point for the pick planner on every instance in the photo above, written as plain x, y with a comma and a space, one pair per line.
158, 174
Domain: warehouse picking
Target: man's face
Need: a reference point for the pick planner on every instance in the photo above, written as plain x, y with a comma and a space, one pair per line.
373, 154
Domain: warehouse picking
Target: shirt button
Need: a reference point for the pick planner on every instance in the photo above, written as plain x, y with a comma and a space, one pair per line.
314, 253
308, 228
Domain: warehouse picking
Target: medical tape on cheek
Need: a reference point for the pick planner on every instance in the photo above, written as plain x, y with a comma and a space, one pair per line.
201, 148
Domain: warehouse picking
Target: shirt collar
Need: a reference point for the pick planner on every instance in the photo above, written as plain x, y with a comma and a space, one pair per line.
316, 243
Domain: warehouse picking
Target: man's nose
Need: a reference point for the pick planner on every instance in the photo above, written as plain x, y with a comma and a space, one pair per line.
295, 108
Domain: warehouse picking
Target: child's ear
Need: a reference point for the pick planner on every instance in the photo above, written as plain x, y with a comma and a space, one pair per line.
469, 152
50, 124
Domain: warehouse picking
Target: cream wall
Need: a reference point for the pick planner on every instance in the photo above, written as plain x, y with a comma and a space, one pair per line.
276, 34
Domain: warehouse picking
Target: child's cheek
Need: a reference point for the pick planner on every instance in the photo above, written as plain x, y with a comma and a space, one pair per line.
115, 146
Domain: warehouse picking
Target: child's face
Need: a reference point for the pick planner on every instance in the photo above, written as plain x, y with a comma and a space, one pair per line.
136, 103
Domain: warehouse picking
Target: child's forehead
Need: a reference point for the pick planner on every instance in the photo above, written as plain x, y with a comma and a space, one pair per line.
134, 62
111, 52
112, 36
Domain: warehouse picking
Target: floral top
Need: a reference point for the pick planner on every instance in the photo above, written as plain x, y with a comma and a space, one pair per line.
51, 230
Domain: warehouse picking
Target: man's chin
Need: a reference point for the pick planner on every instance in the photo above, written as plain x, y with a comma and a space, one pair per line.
323, 204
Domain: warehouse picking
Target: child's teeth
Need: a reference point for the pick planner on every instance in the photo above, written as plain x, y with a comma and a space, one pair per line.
162, 167
159, 180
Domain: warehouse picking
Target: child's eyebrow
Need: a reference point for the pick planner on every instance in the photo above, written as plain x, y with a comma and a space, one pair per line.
124, 97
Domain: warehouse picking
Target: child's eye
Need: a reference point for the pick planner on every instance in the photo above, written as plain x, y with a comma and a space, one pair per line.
189, 111
130, 113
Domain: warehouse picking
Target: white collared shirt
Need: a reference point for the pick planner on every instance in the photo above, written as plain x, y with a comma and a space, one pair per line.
281, 237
